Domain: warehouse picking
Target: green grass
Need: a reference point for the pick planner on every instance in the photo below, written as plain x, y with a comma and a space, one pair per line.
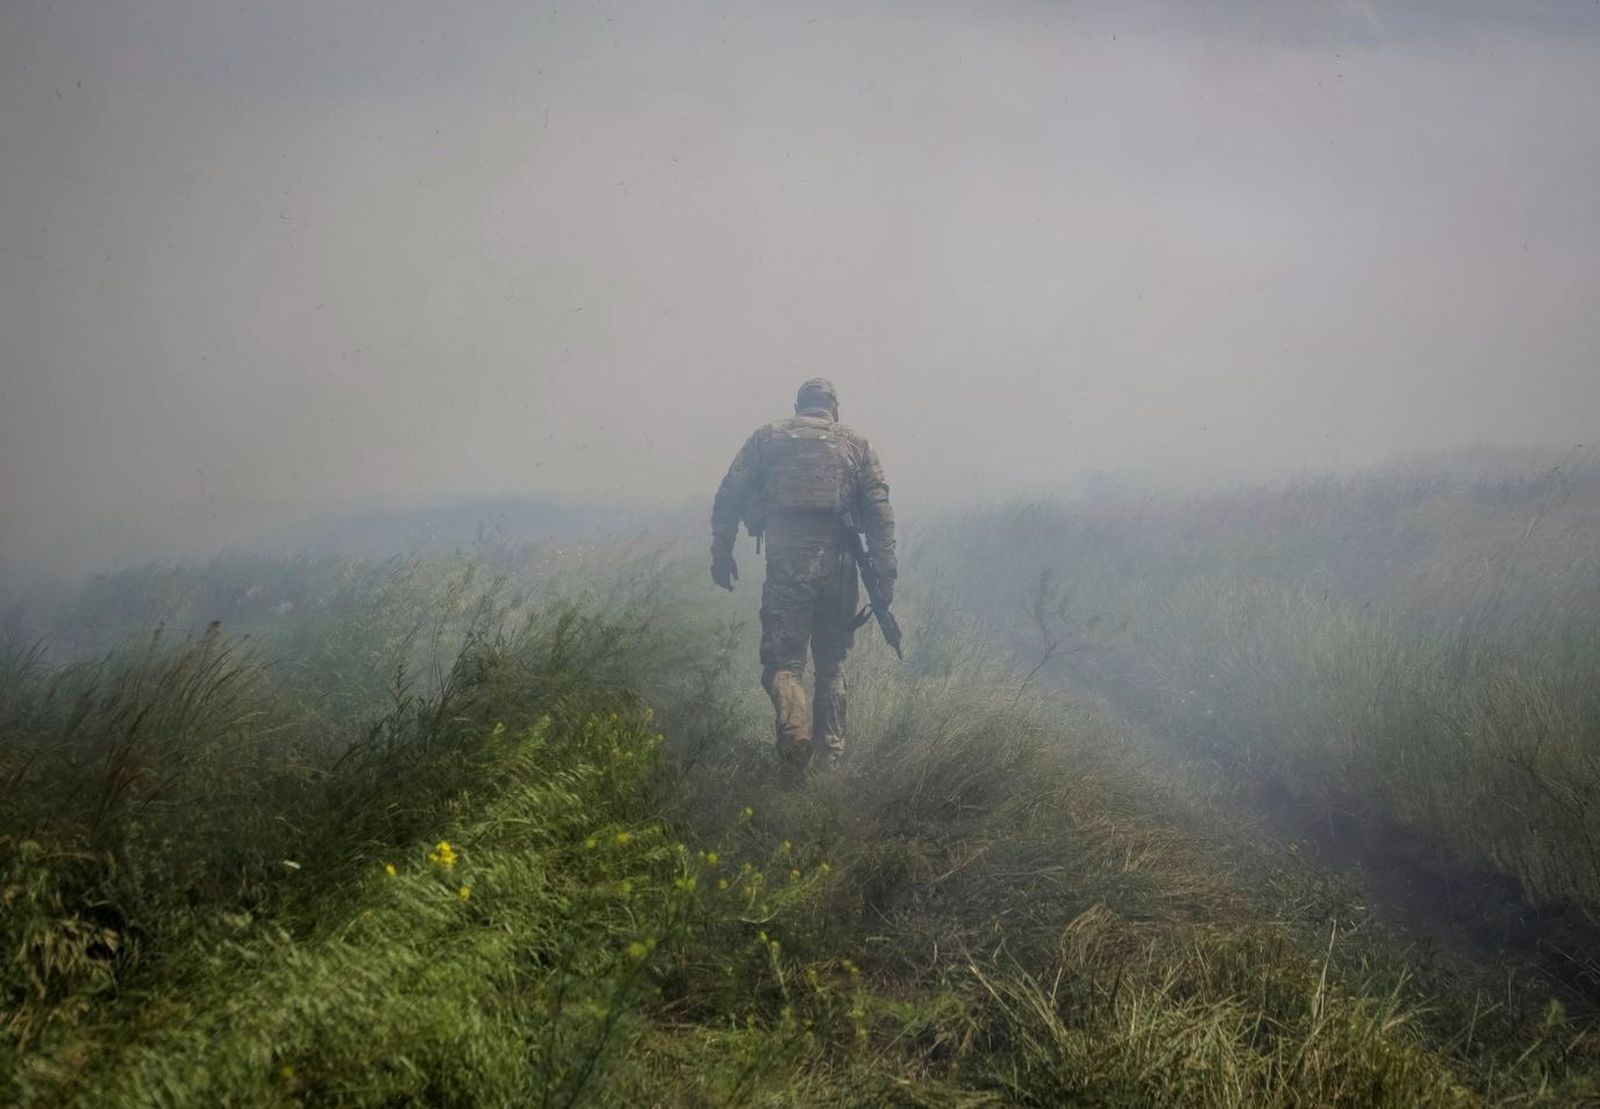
996, 904
1415, 649
1002, 901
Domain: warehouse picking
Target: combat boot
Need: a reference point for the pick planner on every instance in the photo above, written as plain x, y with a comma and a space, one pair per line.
793, 764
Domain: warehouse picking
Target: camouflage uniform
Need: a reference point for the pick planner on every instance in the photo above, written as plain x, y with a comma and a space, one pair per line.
810, 597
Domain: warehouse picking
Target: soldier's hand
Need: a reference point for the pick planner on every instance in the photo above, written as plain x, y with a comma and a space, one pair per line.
724, 571
886, 591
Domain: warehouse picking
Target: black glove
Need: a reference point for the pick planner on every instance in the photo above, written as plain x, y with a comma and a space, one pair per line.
724, 571
885, 591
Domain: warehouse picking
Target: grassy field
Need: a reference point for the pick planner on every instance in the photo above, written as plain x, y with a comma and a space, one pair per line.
506, 835
1409, 655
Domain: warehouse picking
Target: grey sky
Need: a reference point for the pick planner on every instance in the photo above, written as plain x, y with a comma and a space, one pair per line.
297, 251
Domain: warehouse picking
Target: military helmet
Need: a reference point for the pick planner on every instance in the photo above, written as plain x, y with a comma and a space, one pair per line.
817, 391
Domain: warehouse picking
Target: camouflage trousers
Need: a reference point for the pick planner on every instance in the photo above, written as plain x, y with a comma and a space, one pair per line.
808, 603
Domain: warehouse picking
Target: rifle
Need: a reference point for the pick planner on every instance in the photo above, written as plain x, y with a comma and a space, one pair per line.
869, 578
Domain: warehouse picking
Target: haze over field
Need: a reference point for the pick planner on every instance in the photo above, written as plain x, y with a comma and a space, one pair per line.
260, 257
371, 727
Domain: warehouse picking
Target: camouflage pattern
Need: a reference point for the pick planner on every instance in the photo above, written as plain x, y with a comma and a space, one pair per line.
809, 466
811, 593
808, 601
743, 494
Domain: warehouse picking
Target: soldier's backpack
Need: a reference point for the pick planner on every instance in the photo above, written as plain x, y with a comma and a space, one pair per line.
808, 467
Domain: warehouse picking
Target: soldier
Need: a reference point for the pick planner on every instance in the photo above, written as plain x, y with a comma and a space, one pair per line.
806, 485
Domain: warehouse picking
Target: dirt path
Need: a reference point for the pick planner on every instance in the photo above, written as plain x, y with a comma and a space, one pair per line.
1415, 886
1422, 891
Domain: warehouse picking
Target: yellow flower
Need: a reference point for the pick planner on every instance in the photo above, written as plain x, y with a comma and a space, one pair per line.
623, 838
712, 858
824, 868
794, 875
748, 812
388, 868
637, 950
591, 843
465, 893
443, 854
786, 847
722, 883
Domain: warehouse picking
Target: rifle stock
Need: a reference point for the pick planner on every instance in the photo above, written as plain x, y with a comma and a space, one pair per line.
869, 578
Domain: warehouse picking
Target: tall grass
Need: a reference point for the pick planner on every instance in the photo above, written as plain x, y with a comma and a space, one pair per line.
1419, 649
168, 775
593, 901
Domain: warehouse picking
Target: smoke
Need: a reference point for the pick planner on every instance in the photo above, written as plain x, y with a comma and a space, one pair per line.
255, 257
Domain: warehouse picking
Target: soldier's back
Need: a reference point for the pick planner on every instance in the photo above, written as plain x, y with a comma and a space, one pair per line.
809, 464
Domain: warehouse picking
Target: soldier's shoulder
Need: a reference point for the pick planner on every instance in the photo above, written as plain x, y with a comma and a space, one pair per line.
846, 432
789, 423
776, 427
